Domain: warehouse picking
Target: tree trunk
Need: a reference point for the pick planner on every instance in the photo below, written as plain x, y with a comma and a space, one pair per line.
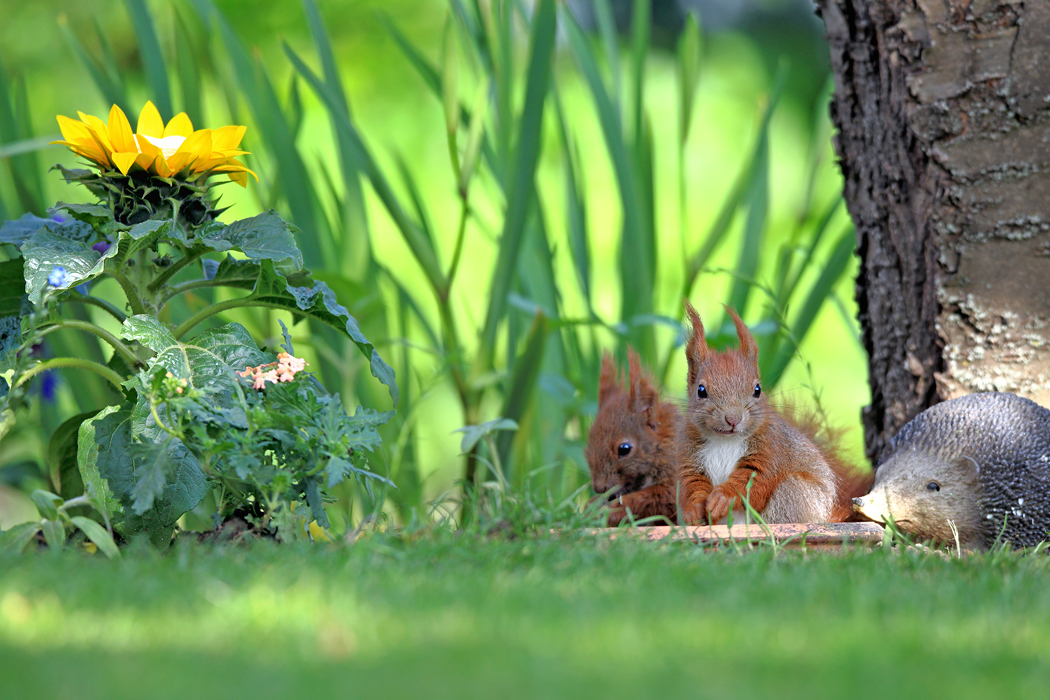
943, 112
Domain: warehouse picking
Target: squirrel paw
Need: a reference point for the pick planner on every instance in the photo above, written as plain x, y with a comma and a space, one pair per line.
718, 506
694, 514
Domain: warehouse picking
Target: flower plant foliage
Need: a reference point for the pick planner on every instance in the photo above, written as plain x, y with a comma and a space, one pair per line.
195, 411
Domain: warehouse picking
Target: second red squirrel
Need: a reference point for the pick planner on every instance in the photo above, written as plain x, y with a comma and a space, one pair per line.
632, 448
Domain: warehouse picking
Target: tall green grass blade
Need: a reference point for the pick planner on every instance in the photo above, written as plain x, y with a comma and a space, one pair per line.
575, 208
22, 162
417, 241
107, 83
522, 182
522, 383
730, 206
188, 66
688, 72
353, 245
641, 28
757, 202
611, 43
277, 133
821, 291
152, 57
432, 79
636, 262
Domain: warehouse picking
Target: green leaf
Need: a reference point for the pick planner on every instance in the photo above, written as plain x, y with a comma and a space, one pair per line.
151, 460
208, 361
97, 534
263, 237
21, 229
16, 539
87, 460
62, 456
47, 503
117, 435
473, 433
319, 302
95, 215
54, 534
313, 499
12, 288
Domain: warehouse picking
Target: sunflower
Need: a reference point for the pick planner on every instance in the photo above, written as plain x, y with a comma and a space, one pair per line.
172, 150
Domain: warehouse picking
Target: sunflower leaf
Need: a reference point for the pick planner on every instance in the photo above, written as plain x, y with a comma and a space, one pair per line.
263, 237
273, 289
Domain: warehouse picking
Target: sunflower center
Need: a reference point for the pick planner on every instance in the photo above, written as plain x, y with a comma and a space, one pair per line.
167, 145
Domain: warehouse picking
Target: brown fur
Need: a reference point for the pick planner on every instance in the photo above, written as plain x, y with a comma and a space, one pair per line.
731, 430
631, 412
852, 482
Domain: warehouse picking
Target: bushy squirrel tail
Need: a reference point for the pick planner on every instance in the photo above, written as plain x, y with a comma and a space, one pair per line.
851, 481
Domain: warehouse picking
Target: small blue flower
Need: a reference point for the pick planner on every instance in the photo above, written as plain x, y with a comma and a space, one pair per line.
58, 276
101, 247
48, 385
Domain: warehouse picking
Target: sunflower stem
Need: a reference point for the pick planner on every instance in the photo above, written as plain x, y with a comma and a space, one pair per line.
120, 348
112, 310
91, 366
188, 257
209, 311
129, 290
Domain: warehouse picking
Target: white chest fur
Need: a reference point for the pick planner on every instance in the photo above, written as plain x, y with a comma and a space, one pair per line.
719, 456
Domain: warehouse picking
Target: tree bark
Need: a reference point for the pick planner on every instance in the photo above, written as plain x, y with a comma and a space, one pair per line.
943, 116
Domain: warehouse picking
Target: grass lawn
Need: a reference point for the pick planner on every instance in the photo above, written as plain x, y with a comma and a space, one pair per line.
441, 616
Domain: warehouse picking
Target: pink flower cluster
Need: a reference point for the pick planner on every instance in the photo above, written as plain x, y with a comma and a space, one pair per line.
281, 371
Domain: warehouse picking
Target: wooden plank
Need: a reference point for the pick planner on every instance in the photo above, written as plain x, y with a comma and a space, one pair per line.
790, 535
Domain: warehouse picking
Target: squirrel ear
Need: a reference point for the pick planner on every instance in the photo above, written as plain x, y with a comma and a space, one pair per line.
643, 396
607, 383
748, 346
696, 346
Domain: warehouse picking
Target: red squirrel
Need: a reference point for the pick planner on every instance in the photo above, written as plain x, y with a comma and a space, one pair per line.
732, 435
632, 448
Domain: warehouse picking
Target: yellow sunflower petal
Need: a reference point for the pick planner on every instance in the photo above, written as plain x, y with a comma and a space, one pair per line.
124, 161
160, 164
239, 177
180, 125
73, 131
227, 137
120, 133
150, 123
98, 128
196, 146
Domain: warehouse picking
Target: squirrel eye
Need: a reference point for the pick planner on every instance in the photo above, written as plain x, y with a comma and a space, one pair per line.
701, 391
933, 486
624, 449
758, 390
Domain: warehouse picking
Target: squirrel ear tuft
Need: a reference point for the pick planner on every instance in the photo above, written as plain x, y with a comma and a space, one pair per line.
608, 383
748, 346
696, 346
643, 395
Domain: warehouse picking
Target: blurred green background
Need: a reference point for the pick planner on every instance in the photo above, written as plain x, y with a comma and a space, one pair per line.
773, 194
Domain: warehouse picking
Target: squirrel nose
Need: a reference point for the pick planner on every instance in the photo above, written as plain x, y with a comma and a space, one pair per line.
731, 420
858, 502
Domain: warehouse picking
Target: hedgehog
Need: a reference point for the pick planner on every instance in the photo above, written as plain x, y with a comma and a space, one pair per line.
978, 463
